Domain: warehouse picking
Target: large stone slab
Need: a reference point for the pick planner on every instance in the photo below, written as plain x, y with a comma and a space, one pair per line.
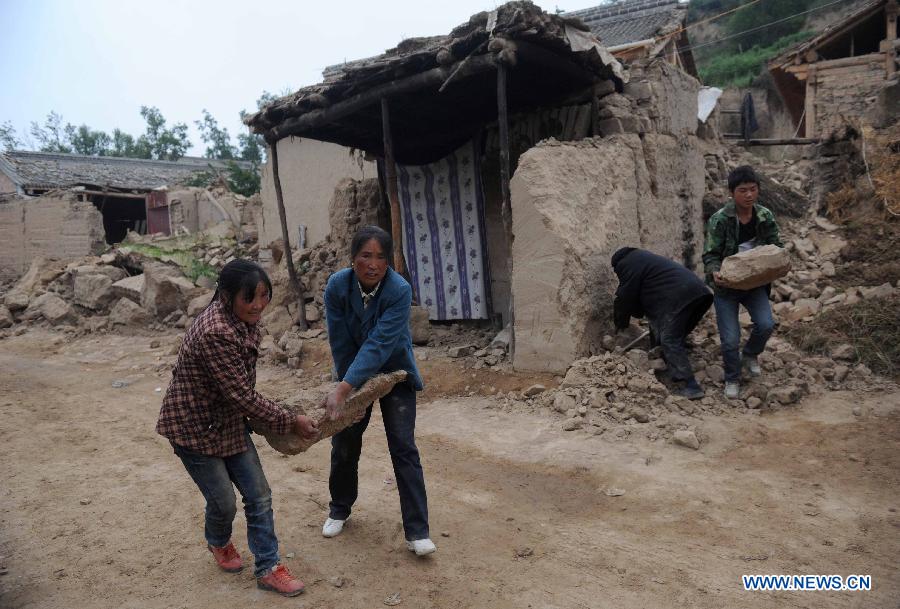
128, 313
52, 308
311, 403
130, 288
166, 290
94, 291
756, 267
42, 271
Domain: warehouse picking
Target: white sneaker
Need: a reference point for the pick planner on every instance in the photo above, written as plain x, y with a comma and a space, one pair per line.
421, 546
732, 390
332, 527
752, 365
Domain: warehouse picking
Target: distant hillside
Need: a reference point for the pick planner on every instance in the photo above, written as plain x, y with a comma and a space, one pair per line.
732, 51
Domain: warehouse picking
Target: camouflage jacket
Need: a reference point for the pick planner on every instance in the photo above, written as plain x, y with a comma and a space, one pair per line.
722, 232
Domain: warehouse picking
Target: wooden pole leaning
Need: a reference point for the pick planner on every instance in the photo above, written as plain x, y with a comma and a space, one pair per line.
506, 205
292, 272
390, 172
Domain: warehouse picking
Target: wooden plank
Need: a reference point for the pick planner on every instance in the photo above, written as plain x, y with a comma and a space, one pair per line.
788, 141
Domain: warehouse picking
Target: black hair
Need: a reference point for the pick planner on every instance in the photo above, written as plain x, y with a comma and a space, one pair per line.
366, 234
241, 277
742, 175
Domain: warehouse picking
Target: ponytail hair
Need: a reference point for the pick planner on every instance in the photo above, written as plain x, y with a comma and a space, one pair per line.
240, 277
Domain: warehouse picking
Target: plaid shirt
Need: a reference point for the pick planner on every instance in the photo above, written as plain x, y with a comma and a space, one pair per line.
213, 388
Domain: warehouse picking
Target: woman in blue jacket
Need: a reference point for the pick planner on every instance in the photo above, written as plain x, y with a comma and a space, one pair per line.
367, 312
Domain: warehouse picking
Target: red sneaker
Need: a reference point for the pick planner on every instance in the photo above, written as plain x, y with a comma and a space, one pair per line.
227, 558
281, 581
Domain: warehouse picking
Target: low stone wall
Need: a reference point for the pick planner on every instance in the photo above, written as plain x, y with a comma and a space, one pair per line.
573, 205
55, 225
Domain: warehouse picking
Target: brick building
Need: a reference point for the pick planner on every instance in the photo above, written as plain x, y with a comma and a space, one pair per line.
837, 76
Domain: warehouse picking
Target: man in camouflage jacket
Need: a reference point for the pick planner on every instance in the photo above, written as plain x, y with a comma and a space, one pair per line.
740, 225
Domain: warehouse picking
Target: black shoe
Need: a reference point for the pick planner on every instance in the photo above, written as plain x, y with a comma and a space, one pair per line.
691, 390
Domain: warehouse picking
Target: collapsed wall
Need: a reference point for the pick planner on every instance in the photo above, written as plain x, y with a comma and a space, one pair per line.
575, 203
54, 225
198, 209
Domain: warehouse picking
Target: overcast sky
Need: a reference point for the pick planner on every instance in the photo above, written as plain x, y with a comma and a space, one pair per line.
98, 61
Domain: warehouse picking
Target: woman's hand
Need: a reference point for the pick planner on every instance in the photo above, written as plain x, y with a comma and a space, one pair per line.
717, 279
305, 427
334, 403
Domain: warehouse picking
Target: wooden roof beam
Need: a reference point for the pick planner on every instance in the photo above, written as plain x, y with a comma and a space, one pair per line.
429, 79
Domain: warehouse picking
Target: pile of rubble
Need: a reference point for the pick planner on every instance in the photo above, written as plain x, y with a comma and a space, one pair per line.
97, 293
625, 393
806, 291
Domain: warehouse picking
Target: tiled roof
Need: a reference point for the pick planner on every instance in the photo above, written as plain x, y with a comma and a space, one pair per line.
630, 21
46, 170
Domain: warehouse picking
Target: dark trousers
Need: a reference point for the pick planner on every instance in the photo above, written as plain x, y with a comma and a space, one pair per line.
215, 477
671, 332
398, 409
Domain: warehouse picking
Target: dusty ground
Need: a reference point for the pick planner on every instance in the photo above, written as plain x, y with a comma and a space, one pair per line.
97, 512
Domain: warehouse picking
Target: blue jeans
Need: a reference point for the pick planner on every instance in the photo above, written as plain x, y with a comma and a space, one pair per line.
756, 301
398, 409
215, 477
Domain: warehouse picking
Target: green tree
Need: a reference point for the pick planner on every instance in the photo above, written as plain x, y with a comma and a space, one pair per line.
761, 18
217, 138
84, 140
160, 142
251, 146
123, 144
51, 137
8, 139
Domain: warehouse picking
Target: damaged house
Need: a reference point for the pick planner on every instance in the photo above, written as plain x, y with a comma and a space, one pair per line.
514, 156
69, 205
836, 77
638, 30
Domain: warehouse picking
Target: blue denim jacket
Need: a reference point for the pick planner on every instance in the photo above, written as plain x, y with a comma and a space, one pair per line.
368, 340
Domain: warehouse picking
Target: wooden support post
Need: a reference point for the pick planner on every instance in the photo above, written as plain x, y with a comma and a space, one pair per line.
506, 204
810, 107
390, 173
889, 44
292, 272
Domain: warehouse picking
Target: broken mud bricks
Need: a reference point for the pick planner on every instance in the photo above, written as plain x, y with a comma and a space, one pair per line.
166, 290
756, 267
311, 403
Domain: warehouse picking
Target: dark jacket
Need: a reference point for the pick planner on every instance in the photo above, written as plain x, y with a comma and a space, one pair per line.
722, 234
652, 286
368, 340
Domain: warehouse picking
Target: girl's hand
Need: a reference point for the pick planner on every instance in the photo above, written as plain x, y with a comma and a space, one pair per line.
305, 427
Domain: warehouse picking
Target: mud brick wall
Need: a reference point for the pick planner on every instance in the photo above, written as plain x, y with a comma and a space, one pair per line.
309, 171
573, 205
54, 225
845, 92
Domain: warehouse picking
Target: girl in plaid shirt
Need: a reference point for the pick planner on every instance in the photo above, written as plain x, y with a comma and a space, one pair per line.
204, 416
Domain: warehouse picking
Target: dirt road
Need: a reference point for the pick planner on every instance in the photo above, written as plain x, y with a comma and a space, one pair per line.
97, 512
